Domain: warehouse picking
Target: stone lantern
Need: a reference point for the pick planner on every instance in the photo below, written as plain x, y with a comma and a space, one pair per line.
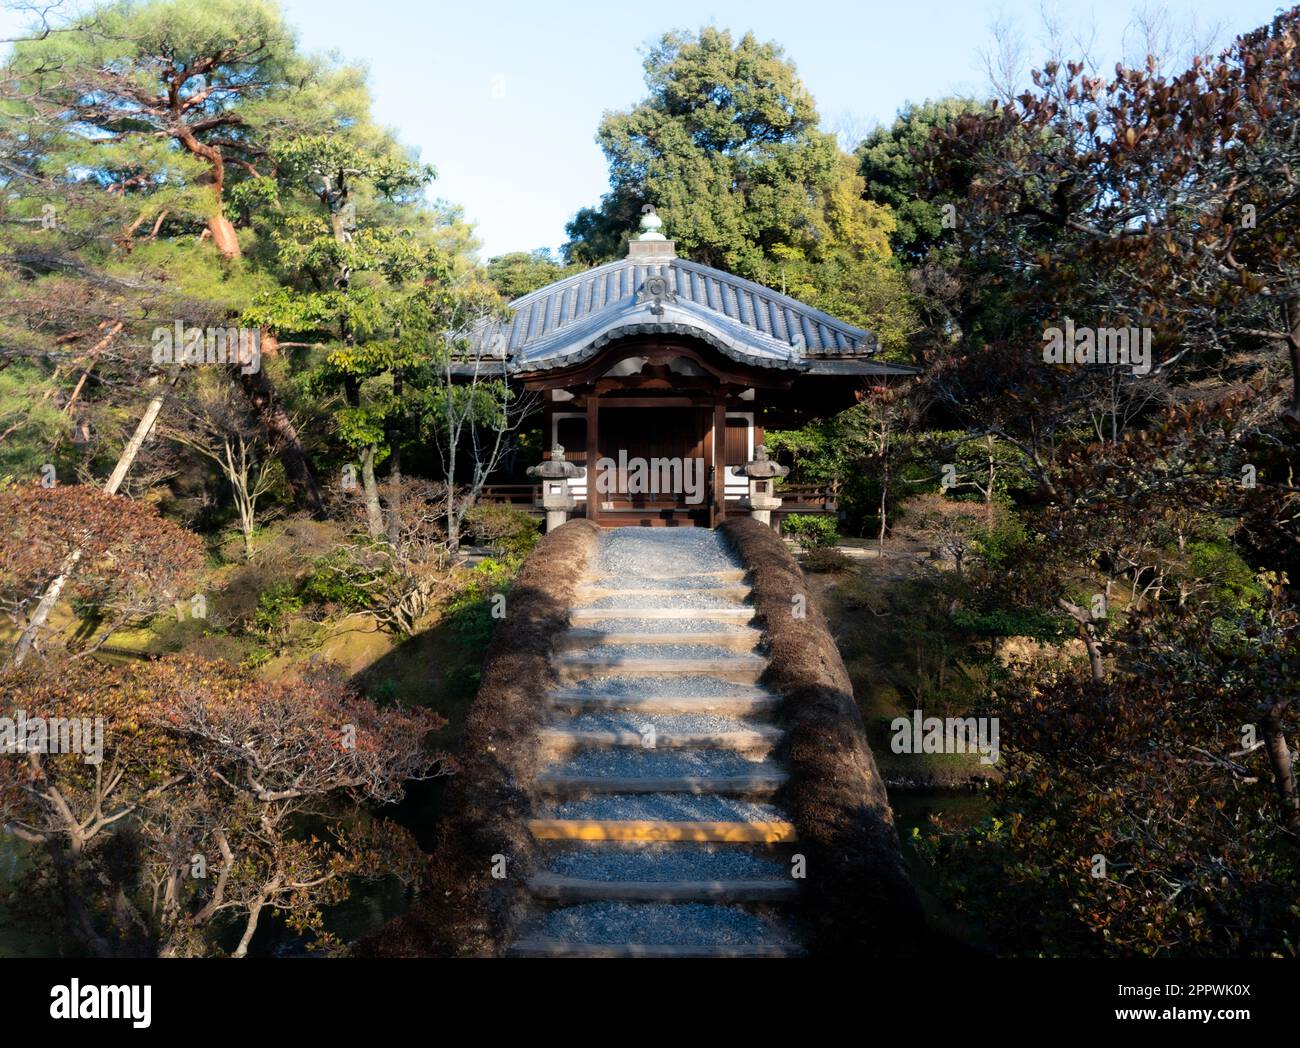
762, 474
555, 476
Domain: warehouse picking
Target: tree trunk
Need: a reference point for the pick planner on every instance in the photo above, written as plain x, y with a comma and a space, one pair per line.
988, 492
219, 226
77, 914
1088, 634
395, 495
247, 517
171, 905
395, 468
285, 441
884, 492
1095, 663
136, 442
223, 235
48, 599
90, 365
1291, 414
1279, 758
374, 511
55, 589
453, 521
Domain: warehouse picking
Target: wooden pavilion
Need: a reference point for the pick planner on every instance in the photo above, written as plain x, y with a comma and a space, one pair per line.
656, 359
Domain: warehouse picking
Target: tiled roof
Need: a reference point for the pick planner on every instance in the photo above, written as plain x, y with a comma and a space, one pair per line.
570, 320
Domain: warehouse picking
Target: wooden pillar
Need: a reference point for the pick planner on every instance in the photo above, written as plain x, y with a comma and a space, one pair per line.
714, 460
593, 456
708, 466
720, 454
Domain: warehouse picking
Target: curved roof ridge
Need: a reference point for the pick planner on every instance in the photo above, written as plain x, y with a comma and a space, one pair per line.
555, 321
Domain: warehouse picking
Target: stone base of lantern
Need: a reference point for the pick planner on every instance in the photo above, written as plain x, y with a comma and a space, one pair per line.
760, 507
558, 508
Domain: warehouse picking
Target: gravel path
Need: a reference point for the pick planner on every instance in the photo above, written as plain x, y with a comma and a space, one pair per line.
662, 652
670, 807
639, 763
686, 684
661, 723
684, 599
666, 862
669, 582
610, 923
662, 626
638, 552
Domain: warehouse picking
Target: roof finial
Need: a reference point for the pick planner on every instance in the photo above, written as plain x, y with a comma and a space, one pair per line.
651, 224
651, 246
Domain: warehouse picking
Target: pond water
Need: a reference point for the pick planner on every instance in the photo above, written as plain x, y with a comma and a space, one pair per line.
912, 810
17, 939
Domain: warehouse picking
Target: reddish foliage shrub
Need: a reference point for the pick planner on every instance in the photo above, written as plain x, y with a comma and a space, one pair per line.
133, 562
464, 909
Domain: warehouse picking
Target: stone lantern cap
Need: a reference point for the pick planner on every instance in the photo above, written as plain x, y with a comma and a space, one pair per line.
556, 468
762, 468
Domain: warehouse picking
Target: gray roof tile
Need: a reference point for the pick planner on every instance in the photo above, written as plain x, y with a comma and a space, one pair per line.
568, 321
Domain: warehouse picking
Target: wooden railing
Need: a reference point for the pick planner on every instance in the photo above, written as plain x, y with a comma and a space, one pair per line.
797, 498
806, 498
525, 496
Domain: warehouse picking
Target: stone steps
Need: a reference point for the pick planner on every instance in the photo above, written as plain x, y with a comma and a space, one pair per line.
589, 591
578, 889
752, 703
661, 834
762, 784
757, 738
741, 640
739, 613
574, 665
725, 575
564, 948
771, 832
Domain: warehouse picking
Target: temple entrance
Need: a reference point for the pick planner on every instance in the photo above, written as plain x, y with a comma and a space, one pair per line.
660, 427
653, 464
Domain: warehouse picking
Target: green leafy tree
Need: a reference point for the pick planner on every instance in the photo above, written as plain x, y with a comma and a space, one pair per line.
519, 272
727, 147
846, 268
888, 165
347, 239
160, 117
169, 86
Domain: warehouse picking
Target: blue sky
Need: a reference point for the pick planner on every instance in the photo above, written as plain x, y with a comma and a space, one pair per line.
503, 97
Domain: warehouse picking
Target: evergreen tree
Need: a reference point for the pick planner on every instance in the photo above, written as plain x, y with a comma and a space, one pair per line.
727, 147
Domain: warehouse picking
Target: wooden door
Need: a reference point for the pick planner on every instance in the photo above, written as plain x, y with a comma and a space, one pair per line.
647, 434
